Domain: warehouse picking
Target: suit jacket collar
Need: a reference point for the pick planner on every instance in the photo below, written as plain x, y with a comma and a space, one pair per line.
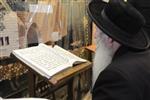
124, 50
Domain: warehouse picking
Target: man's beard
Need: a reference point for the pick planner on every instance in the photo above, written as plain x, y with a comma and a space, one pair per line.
102, 59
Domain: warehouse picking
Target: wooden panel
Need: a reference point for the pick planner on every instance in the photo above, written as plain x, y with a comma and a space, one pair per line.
70, 72
92, 48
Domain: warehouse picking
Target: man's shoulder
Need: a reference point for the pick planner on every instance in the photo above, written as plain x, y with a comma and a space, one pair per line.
132, 58
132, 62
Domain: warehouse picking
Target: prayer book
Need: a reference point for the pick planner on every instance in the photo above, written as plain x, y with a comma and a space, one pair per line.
47, 60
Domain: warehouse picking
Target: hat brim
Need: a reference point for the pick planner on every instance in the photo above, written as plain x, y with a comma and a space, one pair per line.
139, 41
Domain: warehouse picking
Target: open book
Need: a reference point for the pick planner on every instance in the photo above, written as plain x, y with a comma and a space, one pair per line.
47, 60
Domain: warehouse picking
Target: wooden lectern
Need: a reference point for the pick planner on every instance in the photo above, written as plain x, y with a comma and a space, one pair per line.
64, 77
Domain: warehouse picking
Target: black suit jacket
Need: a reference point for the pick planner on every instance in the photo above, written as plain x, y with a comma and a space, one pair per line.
126, 78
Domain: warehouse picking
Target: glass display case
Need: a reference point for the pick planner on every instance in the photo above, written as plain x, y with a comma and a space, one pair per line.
25, 23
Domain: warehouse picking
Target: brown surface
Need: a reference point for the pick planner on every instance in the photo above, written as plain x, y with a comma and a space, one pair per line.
70, 72
91, 48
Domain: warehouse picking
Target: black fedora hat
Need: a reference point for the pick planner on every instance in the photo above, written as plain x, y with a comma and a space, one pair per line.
121, 21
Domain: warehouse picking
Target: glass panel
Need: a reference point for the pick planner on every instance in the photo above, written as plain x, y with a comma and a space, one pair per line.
64, 22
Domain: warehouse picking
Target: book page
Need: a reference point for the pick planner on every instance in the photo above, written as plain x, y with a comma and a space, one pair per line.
47, 60
68, 55
43, 59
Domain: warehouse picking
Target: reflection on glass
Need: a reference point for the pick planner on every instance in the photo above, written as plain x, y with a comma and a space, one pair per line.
7, 40
1, 41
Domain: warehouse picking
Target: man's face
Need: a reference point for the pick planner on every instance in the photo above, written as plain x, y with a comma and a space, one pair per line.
103, 55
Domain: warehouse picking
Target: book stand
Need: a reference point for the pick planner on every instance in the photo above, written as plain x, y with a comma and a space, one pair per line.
60, 79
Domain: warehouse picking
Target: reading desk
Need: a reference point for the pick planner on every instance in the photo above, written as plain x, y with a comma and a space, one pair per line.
60, 79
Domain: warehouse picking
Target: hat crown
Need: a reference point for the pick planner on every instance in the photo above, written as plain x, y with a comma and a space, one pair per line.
124, 16
120, 21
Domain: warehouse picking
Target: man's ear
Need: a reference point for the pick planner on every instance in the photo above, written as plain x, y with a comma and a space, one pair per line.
112, 44
110, 41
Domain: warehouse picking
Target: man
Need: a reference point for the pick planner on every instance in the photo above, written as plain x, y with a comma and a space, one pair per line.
120, 33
